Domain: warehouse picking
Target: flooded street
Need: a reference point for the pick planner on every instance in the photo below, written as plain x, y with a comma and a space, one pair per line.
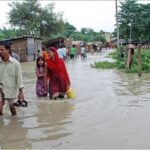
111, 110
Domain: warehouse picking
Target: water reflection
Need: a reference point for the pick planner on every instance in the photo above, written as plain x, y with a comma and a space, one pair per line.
131, 90
52, 120
12, 134
131, 84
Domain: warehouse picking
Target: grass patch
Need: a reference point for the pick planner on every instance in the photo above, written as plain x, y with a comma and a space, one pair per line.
121, 62
103, 65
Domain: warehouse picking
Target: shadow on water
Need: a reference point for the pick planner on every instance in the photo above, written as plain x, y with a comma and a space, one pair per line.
104, 114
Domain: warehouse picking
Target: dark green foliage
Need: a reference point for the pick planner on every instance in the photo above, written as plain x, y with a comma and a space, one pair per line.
9, 33
146, 60
138, 16
28, 15
68, 29
120, 62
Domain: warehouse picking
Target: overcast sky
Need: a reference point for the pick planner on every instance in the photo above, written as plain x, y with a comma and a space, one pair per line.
98, 15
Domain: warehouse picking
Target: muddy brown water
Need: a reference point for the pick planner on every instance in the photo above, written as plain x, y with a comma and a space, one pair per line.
111, 110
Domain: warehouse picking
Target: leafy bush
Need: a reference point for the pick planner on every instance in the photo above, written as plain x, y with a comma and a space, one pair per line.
121, 62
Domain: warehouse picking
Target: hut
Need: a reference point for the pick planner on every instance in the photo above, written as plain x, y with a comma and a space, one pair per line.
56, 42
94, 46
68, 43
26, 47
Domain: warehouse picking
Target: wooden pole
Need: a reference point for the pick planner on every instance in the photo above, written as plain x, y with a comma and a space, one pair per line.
129, 58
139, 60
117, 25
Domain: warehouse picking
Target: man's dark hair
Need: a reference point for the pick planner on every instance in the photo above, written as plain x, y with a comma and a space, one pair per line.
6, 44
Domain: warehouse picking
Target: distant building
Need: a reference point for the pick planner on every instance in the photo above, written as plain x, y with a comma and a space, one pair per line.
26, 47
56, 42
67, 42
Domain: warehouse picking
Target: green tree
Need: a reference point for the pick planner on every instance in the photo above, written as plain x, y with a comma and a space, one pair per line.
87, 31
79, 36
51, 22
145, 21
8, 33
100, 38
68, 29
127, 16
35, 20
138, 16
24, 15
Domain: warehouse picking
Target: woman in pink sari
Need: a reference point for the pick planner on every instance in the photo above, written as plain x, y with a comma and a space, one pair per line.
59, 81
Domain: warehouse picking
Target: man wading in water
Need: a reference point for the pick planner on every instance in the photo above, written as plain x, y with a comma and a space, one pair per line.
11, 83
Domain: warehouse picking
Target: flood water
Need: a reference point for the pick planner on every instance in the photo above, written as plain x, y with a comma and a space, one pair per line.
111, 110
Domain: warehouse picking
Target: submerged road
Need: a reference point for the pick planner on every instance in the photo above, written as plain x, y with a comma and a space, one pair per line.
111, 110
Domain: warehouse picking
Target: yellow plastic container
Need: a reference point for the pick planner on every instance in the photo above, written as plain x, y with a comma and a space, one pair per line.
71, 93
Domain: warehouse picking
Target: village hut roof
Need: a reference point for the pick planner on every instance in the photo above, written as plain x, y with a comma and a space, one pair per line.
20, 37
76, 42
94, 43
97, 43
89, 43
56, 39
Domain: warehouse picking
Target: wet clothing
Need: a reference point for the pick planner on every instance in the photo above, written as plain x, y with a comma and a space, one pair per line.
41, 90
10, 77
58, 76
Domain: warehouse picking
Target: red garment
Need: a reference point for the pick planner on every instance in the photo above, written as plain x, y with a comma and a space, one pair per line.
56, 67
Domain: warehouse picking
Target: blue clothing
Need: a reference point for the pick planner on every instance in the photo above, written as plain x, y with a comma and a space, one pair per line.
60, 53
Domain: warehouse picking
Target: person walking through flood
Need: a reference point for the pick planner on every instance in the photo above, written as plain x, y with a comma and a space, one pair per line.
73, 51
83, 55
59, 81
11, 82
41, 87
60, 52
65, 52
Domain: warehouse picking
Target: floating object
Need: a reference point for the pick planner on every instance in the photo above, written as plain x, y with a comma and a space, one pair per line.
71, 93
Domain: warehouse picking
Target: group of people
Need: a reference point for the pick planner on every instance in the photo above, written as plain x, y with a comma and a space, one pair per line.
52, 75
71, 52
51, 72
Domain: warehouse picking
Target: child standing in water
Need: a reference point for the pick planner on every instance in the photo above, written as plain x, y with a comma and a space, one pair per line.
41, 86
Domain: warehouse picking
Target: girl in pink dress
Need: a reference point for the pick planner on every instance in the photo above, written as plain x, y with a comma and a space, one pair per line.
41, 88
